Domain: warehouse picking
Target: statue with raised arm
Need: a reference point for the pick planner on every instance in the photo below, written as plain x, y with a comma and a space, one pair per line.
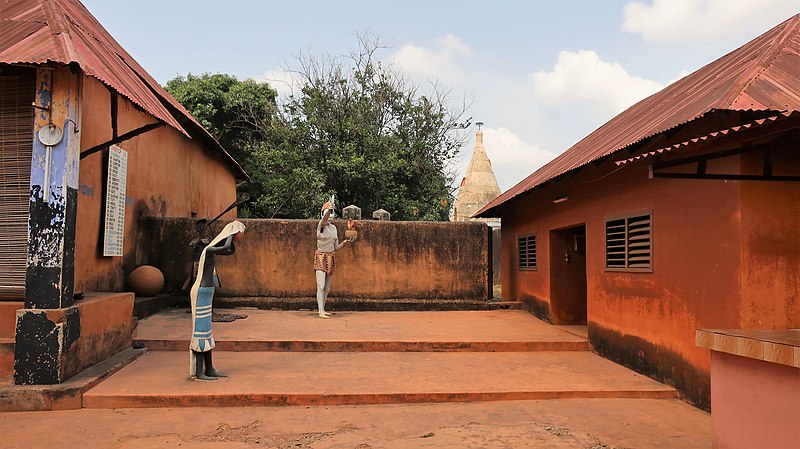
201, 295
324, 256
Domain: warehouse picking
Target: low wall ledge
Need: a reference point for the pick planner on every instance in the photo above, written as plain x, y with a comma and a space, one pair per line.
780, 346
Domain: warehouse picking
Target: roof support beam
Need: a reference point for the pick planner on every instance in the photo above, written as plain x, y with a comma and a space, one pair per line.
710, 156
767, 162
128, 135
728, 177
766, 149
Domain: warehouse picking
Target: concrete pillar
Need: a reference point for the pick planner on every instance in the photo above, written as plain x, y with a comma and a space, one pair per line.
351, 212
381, 214
49, 322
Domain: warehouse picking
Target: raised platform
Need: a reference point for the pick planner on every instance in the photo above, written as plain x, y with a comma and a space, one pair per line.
297, 358
755, 378
362, 304
8, 317
484, 331
67, 395
160, 379
144, 306
6, 361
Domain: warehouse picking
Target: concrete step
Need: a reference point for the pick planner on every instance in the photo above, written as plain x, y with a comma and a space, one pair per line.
370, 346
463, 331
64, 396
362, 304
144, 306
160, 379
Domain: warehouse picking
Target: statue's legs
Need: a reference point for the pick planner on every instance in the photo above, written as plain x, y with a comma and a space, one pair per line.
210, 370
323, 287
199, 374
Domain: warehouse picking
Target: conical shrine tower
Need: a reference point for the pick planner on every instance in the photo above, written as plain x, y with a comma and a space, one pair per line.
479, 185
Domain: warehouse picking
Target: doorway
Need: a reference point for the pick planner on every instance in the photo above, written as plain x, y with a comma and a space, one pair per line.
568, 275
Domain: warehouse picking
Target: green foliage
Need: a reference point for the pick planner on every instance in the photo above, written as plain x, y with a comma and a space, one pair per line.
357, 129
233, 111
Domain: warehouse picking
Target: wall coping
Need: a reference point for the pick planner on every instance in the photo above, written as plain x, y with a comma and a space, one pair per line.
781, 346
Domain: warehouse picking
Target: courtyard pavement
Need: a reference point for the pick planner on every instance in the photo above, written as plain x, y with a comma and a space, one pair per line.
482, 379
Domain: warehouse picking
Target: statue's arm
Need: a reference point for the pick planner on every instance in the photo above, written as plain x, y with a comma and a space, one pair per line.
338, 244
226, 249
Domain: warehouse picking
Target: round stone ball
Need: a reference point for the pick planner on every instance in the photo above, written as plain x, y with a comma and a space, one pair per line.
146, 281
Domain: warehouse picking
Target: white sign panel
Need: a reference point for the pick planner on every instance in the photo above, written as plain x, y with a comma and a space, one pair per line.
115, 201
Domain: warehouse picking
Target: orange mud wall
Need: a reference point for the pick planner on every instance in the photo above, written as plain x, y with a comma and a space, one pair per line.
645, 321
390, 260
771, 246
168, 175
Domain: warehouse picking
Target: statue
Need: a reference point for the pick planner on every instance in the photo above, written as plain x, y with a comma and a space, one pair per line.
201, 295
324, 256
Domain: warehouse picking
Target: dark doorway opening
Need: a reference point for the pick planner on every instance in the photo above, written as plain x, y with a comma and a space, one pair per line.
568, 275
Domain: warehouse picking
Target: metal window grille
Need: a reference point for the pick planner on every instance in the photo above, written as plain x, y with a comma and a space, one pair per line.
16, 146
526, 246
629, 243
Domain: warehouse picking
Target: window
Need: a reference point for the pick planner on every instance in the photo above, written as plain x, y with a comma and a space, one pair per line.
17, 92
526, 246
629, 243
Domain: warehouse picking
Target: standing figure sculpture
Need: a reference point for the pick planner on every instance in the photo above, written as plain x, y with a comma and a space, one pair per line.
201, 295
324, 257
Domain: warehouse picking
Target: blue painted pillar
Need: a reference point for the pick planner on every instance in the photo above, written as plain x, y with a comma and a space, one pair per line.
49, 322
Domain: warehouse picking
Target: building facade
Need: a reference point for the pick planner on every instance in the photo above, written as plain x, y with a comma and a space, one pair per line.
681, 213
89, 144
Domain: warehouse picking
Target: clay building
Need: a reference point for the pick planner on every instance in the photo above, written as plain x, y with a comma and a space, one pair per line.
89, 144
680, 213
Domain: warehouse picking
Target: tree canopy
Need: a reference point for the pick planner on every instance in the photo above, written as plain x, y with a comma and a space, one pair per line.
231, 110
356, 127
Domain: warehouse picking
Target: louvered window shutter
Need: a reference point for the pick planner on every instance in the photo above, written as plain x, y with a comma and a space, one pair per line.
16, 145
629, 243
526, 246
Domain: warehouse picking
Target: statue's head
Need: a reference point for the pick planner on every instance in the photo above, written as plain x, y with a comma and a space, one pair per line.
325, 207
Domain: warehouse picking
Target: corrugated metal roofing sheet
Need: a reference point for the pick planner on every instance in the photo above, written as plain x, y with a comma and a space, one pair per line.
64, 32
711, 136
760, 75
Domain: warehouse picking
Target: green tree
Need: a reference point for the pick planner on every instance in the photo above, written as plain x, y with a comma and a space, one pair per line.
234, 112
357, 127
370, 135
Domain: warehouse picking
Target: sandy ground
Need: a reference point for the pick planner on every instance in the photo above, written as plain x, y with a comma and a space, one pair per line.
556, 424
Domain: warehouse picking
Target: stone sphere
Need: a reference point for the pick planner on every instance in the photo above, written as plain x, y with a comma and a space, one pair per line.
146, 281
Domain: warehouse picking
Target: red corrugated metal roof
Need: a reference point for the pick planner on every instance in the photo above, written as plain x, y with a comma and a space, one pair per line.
760, 75
711, 136
64, 32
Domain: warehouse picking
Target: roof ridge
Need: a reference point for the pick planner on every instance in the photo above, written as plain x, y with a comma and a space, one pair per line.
58, 27
791, 27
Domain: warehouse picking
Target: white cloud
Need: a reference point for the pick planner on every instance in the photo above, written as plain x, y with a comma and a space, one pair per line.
283, 81
453, 42
440, 63
582, 77
512, 158
691, 20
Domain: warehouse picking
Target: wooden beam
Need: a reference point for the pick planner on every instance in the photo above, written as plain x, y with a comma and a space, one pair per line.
701, 167
114, 115
128, 135
768, 161
728, 177
710, 156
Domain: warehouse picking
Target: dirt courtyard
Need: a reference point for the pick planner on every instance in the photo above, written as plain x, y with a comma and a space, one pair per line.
553, 424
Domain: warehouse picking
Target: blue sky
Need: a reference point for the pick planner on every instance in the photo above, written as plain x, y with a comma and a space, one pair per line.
540, 74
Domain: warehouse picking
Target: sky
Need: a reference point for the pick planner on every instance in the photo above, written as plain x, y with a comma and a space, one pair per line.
540, 75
